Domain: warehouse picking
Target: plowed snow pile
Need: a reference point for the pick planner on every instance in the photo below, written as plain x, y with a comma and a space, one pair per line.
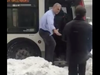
37, 66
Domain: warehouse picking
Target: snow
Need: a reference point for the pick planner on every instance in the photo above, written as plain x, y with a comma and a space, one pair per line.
38, 66
89, 67
90, 23
91, 52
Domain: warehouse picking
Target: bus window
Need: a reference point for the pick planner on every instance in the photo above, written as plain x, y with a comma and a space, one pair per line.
15, 18
9, 18
21, 20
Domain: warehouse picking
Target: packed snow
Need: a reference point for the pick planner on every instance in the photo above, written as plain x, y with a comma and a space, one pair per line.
38, 66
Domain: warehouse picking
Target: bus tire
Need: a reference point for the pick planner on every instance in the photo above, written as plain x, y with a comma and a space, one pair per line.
21, 50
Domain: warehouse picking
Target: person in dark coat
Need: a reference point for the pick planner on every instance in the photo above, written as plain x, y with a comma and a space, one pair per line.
60, 21
78, 36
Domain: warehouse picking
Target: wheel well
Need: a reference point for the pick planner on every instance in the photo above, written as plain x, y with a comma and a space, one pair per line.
23, 40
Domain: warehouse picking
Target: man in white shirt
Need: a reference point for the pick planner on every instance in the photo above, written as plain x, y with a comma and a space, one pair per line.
47, 29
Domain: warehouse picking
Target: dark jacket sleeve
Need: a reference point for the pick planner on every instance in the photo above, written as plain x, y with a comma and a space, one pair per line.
65, 32
64, 37
90, 38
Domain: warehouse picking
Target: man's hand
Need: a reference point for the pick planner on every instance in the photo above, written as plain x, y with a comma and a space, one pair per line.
56, 32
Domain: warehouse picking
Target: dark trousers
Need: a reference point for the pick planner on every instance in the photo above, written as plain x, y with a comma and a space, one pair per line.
60, 50
49, 44
75, 69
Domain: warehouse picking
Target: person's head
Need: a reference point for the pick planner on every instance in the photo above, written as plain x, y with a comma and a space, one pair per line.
56, 8
80, 11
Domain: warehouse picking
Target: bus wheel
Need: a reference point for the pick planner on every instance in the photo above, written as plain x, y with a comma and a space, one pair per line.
23, 50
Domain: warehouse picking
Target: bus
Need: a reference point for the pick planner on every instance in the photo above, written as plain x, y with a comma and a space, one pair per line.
23, 18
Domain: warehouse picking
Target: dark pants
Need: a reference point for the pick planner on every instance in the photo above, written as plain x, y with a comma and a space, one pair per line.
60, 50
49, 44
75, 69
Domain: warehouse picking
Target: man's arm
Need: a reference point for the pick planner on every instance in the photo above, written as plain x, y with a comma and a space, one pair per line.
50, 21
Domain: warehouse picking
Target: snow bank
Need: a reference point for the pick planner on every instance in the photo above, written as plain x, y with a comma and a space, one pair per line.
37, 66
33, 66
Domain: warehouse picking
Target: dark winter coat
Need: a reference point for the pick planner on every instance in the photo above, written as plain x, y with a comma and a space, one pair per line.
78, 36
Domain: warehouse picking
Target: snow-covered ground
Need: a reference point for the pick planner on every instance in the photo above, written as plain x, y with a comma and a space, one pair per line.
38, 66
